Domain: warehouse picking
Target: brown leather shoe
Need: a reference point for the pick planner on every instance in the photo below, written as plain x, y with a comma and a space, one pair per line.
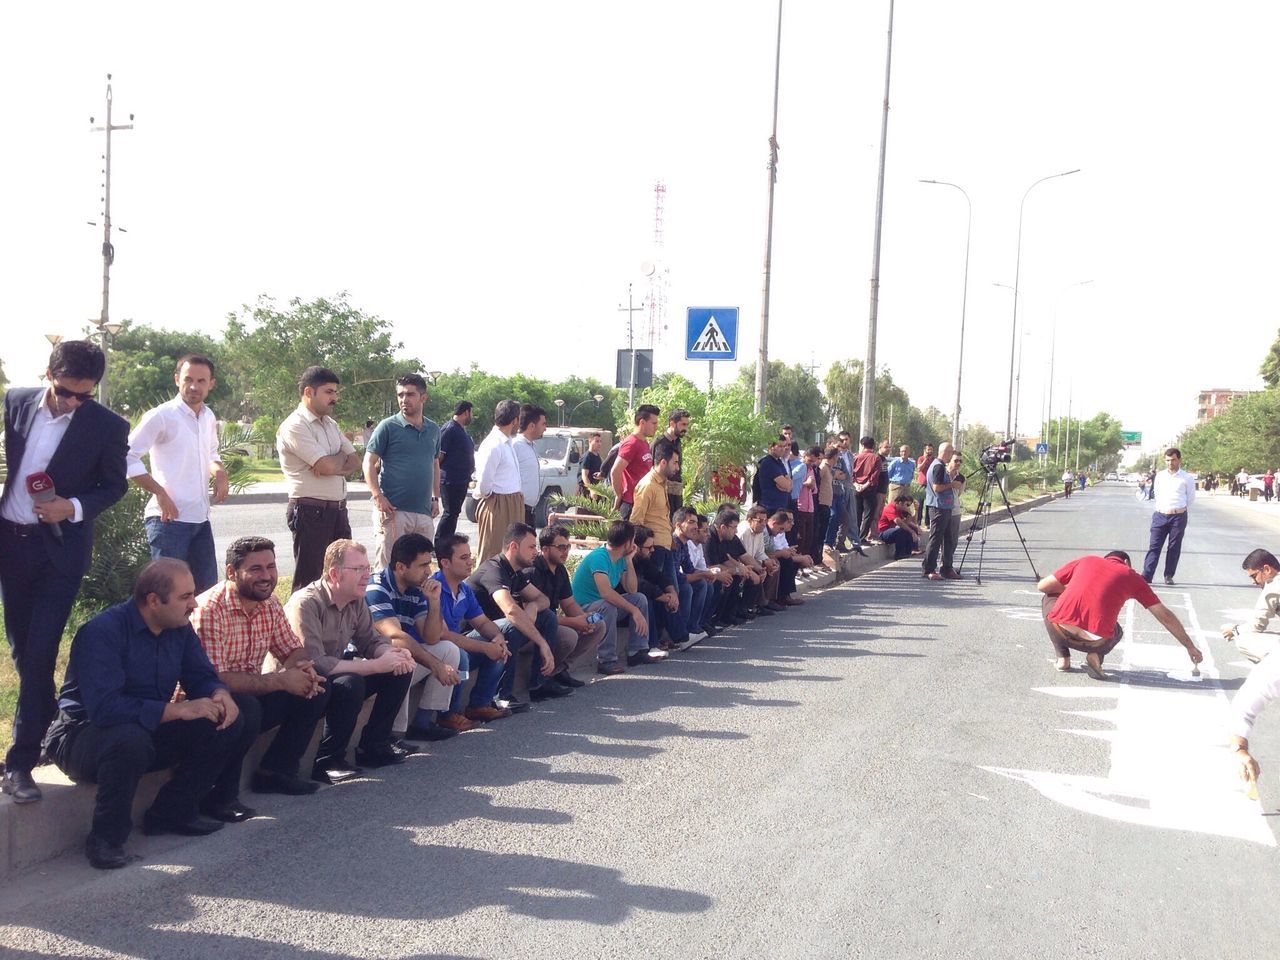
485, 714
792, 601
455, 721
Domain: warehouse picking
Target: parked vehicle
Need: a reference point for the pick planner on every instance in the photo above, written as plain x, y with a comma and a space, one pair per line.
560, 451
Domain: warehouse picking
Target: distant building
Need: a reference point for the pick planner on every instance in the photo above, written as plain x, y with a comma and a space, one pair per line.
1214, 402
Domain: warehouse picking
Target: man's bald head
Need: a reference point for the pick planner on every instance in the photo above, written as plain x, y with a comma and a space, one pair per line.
945, 451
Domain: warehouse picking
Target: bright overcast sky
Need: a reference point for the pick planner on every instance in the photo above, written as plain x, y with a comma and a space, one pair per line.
481, 175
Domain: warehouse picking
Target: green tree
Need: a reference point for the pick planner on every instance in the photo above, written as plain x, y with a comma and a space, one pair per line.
142, 361
1270, 368
793, 396
269, 348
1246, 434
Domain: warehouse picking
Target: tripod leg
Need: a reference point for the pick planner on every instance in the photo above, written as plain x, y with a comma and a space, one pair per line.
982, 495
1017, 529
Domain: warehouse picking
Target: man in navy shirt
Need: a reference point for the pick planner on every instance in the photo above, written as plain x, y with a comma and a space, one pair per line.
773, 477
117, 720
457, 463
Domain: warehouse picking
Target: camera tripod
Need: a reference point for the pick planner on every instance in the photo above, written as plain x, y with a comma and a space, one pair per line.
982, 520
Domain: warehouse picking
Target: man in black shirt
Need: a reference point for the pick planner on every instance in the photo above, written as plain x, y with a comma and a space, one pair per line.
589, 471
576, 638
520, 611
457, 463
670, 601
723, 550
677, 427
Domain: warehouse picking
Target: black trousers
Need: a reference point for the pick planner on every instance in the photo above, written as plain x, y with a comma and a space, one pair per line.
314, 527
37, 601
786, 577
455, 495
942, 539
866, 508
347, 694
295, 716
115, 758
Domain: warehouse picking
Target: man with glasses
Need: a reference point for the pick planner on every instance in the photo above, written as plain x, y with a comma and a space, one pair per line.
402, 469
1252, 638
316, 459
327, 615
1175, 491
1081, 607
65, 456
578, 638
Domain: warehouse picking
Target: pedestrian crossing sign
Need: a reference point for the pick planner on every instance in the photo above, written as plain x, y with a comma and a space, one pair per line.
712, 334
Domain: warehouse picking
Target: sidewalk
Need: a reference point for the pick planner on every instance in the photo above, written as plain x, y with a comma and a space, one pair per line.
277, 491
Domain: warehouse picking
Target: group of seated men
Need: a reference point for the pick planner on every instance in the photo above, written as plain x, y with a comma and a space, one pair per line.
170, 679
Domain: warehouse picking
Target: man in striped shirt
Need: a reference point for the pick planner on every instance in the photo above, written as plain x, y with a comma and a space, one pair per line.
240, 622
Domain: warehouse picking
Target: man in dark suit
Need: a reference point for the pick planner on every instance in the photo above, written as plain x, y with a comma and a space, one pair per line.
46, 544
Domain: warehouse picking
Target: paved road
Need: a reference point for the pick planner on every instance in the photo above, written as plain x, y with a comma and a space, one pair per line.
892, 770
233, 520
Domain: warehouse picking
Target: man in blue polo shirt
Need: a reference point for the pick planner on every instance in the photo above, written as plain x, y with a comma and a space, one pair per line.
405, 606
483, 645
402, 470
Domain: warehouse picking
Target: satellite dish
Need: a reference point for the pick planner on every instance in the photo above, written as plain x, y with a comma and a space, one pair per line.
648, 268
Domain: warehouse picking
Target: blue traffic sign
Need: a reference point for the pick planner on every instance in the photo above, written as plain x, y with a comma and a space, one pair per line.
1042, 448
712, 334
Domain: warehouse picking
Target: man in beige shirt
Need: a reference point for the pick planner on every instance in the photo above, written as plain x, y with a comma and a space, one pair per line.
327, 615
316, 459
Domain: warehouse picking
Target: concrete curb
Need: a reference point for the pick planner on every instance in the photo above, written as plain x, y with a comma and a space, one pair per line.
33, 833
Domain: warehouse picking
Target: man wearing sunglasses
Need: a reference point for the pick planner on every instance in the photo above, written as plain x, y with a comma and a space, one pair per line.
58, 433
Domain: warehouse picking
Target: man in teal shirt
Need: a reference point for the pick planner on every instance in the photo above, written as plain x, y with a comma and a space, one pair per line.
596, 584
402, 468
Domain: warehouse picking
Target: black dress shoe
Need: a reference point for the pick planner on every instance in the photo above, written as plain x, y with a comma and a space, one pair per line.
335, 773
233, 812
549, 689
432, 734
646, 656
611, 669
272, 781
408, 749
711, 629
197, 826
776, 607
765, 611
565, 679
384, 756
1168, 581
105, 856
515, 706
20, 785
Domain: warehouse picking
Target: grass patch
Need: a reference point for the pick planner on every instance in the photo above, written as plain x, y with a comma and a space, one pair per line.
9, 675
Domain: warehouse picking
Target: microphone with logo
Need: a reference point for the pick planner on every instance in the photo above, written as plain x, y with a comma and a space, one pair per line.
40, 487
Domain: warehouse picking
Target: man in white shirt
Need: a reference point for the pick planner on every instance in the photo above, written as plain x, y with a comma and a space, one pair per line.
1252, 639
758, 541
500, 500
181, 438
533, 424
1175, 491
316, 458
1259, 688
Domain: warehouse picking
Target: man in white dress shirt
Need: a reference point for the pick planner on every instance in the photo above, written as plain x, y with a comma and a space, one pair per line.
1175, 491
181, 437
533, 424
498, 491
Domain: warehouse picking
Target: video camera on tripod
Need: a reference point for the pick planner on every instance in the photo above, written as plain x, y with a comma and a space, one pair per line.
997, 453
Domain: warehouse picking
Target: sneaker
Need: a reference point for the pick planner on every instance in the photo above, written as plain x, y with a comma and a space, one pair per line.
646, 656
689, 641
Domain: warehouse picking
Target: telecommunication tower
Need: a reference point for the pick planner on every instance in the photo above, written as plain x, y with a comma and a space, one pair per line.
656, 272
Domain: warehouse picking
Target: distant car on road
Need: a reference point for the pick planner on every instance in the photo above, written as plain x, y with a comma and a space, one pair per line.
1113, 476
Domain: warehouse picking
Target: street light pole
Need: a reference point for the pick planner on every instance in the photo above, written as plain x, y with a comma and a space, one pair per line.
1017, 276
964, 300
869, 366
762, 355
1053, 344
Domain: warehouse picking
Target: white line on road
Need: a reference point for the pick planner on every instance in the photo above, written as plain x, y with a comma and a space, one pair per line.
1170, 767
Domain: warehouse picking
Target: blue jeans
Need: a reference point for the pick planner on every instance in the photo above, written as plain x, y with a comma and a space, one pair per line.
902, 541
614, 618
488, 678
833, 525
192, 542
676, 624
698, 593
547, 625
712, 603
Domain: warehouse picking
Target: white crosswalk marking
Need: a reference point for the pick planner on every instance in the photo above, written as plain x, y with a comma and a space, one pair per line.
1170, 766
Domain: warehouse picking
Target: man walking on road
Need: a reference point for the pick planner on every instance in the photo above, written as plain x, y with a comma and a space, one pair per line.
402, 468
1175, 491
316, 458
1082, 602
181, 437
457, 463
1252, 638
499, 500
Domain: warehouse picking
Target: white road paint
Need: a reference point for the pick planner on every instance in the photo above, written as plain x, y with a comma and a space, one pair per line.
1170, 767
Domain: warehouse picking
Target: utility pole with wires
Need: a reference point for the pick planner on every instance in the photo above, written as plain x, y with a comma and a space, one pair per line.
106, 329
631, 310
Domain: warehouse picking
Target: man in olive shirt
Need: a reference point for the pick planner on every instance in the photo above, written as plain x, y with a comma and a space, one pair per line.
329, 614
316, 459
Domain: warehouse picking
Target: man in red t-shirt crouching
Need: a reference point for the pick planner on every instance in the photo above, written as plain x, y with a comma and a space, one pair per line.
1082, 603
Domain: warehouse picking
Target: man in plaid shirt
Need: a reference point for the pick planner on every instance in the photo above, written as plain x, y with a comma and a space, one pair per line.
239, 622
